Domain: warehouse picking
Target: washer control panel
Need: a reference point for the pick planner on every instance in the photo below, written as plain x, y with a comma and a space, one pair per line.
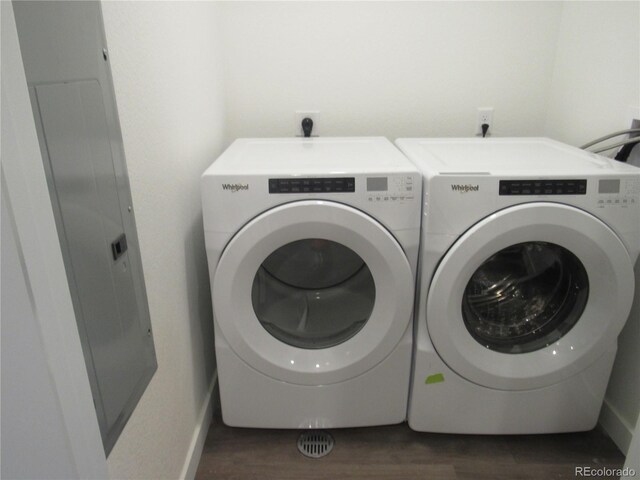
617, 192
390, 188
543, 187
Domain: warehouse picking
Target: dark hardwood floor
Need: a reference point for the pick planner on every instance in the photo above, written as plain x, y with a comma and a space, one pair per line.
398, 453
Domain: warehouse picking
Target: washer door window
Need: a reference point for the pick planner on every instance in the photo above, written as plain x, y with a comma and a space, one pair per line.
525, 297
529, 296
313, 293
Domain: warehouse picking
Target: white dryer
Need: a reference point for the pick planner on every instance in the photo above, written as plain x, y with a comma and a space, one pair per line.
312, 247
527, 255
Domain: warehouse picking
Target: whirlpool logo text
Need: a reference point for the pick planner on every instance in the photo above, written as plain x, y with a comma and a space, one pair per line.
235, 187
465, 188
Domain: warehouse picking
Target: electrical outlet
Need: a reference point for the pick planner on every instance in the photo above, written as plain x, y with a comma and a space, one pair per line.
485, 115
301, 115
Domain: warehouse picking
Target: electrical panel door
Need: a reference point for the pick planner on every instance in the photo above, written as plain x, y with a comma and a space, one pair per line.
66, 64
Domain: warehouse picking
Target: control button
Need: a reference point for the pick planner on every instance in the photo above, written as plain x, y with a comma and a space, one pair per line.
600, 201
526, 191
306, 189
386, 199
548, 191
537, 191
409, 189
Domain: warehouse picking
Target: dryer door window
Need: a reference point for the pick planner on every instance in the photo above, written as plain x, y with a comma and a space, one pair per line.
313, 293
525, 297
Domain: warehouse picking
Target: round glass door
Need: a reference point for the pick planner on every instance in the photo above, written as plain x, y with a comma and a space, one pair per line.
525, 297
313, 293
529, 296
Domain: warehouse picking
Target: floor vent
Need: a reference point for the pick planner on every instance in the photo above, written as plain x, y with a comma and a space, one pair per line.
315, 443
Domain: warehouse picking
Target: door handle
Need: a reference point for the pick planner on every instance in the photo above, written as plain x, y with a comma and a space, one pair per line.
119, 246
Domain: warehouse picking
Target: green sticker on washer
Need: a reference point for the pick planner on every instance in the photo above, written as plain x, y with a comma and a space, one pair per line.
437, 378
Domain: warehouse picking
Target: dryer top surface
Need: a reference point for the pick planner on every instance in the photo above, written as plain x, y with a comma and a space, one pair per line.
311, 156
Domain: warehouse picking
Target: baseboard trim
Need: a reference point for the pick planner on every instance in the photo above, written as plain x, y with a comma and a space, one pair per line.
199, 434
616, 426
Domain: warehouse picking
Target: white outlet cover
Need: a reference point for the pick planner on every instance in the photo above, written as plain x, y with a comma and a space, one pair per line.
488, 113
301, 115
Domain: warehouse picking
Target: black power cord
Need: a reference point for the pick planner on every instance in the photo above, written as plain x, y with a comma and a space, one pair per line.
624, 152
307, 126
485, 129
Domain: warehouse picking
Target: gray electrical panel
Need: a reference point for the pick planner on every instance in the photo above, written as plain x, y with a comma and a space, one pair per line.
67, 68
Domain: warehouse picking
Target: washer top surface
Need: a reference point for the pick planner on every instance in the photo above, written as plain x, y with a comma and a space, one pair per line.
506, 157
310, 156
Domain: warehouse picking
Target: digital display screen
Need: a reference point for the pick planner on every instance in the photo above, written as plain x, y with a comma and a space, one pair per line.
377, 184
609, 186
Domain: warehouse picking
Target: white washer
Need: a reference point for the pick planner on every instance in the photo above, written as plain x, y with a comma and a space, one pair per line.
527, 255
312, 247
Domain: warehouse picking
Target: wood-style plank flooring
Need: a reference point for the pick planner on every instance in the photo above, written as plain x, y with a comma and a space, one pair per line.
398, 453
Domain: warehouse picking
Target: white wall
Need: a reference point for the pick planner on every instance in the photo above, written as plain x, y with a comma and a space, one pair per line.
595, 82
596, 77
388, 68
167, 77
49, 427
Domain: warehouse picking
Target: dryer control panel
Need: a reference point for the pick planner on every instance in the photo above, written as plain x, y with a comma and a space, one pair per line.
390, 188
312, 185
